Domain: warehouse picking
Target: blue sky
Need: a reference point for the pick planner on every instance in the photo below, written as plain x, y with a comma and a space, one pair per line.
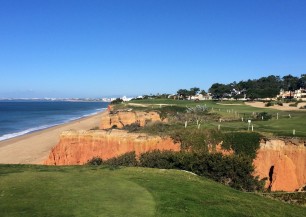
74, 48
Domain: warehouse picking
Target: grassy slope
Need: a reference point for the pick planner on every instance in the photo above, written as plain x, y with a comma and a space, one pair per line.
98, 191
282, 127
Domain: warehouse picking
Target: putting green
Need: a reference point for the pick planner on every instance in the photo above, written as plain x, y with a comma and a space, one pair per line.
73, 194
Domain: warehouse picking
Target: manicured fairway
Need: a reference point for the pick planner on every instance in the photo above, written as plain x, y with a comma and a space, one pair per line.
282, 123
99, 191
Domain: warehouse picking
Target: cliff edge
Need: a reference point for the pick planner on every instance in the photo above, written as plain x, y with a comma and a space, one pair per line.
119, 119
77, 147
282, 163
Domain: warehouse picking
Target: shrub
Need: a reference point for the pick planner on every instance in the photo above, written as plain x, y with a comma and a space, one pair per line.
263, 116
117, 101
199, 109
167, 111
289, 100
196, 140
156, 128
279, 103
158, 159
128, 159
242, 143
131, 127
235, 171
269, 104
95, 161
294, 104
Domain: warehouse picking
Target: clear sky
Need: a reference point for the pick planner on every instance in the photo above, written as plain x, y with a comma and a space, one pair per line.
81, 48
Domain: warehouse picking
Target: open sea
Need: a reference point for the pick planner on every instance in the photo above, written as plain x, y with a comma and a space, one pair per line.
21, 117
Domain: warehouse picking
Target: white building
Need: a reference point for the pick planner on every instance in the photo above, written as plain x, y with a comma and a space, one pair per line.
300, 94
126, 99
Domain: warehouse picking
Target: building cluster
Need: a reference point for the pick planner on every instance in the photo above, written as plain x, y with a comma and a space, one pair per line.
299, 94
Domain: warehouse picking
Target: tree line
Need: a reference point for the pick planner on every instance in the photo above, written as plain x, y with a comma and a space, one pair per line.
264, 87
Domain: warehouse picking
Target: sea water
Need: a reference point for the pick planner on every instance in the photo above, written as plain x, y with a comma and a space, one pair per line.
21, 117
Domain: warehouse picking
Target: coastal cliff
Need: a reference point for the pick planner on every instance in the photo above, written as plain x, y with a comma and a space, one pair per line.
77, 147
120, 119
283, 163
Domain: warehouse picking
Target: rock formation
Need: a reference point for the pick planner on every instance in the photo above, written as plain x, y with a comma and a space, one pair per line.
283, 163
120, 119
77, 147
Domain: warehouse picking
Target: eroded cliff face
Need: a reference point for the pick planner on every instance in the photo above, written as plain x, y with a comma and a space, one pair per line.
283, 163
123, 118
77, 147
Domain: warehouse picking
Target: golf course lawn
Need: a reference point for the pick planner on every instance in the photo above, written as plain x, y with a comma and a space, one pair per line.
282, 123
28, 190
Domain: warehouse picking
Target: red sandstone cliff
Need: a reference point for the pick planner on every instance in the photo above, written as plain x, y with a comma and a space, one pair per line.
77, 147
283, 163
123, 118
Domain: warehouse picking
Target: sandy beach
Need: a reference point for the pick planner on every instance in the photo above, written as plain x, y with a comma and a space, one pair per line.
35, 147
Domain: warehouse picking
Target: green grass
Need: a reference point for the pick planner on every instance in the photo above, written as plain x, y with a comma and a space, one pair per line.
98, 191
283, 126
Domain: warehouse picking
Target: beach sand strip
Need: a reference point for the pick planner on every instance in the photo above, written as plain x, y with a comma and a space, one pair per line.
35, 147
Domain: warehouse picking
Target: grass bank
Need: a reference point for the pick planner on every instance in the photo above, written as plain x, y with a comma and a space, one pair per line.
99, 191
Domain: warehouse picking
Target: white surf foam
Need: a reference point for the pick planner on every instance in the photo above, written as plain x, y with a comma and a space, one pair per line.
34, 129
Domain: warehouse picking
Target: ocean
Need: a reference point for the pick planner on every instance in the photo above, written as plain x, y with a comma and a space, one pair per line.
21, 117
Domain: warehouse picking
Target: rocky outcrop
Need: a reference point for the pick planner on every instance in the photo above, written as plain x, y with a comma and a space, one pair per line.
120, 119
282, 163
77, 147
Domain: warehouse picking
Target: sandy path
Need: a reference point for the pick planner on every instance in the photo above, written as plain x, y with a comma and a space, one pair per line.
34, 148
285, 106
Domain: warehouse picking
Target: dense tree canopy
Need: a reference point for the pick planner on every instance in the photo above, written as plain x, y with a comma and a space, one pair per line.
184, 93
265, 87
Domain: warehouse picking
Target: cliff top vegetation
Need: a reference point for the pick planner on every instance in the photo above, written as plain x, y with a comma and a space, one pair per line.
226, 116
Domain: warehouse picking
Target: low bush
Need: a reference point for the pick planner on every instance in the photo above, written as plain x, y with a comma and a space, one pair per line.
167, 111
288, 100
132, 127
263, 116
159, 159
279, 103
156, 128
117, 101
268, 104
235, 171
298, 198
95, 161
194, 139
128, 159
243, 143
294, 104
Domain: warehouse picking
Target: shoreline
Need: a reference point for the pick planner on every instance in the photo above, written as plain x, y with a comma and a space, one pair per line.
44, 127
34, 147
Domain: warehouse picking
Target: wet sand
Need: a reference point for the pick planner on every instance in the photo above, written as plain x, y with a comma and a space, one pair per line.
35, 147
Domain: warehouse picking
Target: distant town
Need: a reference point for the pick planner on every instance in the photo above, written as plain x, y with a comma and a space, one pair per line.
263, 89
